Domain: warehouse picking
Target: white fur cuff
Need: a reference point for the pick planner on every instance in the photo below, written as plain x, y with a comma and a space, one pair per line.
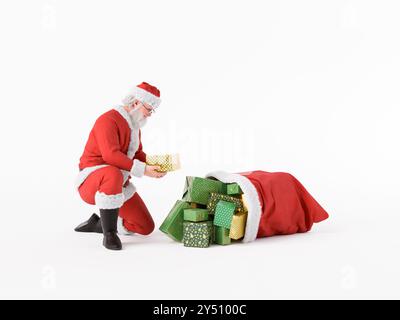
138, 168
105, 201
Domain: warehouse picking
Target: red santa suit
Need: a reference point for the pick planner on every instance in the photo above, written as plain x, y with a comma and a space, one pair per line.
112, 154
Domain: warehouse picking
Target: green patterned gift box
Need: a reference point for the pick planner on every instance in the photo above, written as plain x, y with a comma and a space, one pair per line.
216, 197
221, 236
198, 190
197, 234
173, 224
195, 215
233, 189
224, 214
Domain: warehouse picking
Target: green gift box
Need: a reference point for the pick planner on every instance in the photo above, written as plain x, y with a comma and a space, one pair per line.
173, 223
216, 197
195, 215
224, 212
198, 190
221, 236
233, 189
197, 234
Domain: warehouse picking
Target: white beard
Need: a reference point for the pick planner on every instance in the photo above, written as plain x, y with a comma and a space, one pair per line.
137, 118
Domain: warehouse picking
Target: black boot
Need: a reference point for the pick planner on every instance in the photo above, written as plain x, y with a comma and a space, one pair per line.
92, 225
109, 218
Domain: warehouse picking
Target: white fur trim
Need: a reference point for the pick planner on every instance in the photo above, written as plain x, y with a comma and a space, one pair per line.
134, 143
138, 168
125, 174
145, 96
105, 201
83, 174
121, 229
128, 191
251, 197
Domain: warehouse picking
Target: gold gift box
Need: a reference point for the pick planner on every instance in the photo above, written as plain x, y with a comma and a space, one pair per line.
166, 162
238, 226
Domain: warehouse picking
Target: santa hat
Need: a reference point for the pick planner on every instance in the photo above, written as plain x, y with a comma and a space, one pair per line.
145, 93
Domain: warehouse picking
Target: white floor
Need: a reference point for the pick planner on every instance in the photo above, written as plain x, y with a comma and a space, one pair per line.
332, 261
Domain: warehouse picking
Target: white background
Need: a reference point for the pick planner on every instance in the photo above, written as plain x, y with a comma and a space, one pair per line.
306, 87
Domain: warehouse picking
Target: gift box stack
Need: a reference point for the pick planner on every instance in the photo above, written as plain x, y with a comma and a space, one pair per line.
210, 212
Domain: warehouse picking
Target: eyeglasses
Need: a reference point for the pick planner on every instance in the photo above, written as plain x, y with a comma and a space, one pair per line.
149, 110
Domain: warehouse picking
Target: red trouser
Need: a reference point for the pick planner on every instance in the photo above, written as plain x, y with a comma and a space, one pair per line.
104, 187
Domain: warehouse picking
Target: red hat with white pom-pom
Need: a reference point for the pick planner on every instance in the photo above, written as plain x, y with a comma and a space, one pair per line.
145, 93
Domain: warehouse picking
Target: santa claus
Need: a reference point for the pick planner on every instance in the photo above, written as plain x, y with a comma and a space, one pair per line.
114, 153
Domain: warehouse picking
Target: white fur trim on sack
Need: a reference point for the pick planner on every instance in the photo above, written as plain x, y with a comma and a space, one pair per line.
105, 201
251, 198
145, 96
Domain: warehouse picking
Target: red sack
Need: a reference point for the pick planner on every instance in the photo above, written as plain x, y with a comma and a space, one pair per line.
277, 203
